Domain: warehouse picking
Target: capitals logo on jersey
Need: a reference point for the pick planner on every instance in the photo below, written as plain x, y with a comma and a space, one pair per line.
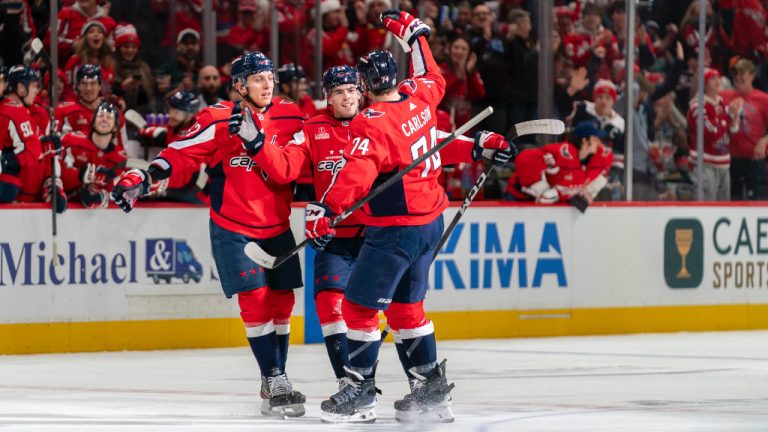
369, 113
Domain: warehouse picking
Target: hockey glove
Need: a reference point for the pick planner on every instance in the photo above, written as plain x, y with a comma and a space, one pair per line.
9, 163
250, 132
493, 147
404, 26
61, 198
579, 202
131, 186
154, 132
94, 197
318, 225
96, 174
235, 119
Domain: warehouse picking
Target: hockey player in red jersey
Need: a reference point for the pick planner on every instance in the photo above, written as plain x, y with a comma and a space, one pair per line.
246, 205
403, 226
182, 109
563, 172
24, 176
91, 162
76, 116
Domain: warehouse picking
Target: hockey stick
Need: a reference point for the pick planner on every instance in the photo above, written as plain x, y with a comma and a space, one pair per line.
260, 257
135, 119
543, 126
38, 51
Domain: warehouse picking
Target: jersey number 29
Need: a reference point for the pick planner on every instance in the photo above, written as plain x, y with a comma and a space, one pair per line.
421, 146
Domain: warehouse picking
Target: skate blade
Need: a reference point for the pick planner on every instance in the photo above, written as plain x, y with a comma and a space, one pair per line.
439, 414
363, 415
294, 410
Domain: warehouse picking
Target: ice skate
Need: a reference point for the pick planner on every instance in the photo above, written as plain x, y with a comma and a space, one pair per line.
355, 401
429, 399
281, 400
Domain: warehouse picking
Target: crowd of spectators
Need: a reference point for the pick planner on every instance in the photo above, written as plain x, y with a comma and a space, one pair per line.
150, 50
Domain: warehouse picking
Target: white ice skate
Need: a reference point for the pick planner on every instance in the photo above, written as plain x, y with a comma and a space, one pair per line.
429, 400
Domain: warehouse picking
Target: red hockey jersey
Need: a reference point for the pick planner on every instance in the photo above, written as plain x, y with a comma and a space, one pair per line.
717, 125
79, 151
560, 166
244, 199
385, 138
18, 130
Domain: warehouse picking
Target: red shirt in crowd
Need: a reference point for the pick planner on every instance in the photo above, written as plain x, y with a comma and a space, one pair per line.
460, 92
717, 124
753, 122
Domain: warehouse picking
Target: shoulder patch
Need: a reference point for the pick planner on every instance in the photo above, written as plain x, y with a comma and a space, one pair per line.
565, 152
411, 84
370, 113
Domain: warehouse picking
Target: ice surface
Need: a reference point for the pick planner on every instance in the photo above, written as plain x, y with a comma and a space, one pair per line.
656, 382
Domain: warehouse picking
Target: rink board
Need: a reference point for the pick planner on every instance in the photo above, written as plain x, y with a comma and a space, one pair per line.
506, 271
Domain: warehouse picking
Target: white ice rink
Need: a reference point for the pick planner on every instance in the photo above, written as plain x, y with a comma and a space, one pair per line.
654, 382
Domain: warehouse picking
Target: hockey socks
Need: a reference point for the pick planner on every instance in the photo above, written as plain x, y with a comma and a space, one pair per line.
363, 337
403, 356
328, 307
282, 304
266, 351
260, 330
421, 351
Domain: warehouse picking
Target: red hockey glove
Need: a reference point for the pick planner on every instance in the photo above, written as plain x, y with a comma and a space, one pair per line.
131, 186
61, 197
154, 132
404, 26
493, 147
96, 174
318, 225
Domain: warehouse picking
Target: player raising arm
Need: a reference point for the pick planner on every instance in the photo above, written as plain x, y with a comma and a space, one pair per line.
246, 205
404, 224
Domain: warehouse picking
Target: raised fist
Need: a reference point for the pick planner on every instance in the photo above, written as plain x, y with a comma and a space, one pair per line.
493, 147
404, 26
250, 132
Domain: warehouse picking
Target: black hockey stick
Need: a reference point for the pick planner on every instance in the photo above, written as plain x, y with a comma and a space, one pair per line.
38, 51
262, 258
543, 126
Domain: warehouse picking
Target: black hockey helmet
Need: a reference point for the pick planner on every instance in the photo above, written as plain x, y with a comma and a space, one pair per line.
88, 71
251, 63
340, 75
378, 70
106, 107
185, 101
290, 72
20, 74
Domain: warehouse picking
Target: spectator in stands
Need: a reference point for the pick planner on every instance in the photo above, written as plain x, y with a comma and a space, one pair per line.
718, 125
133, 77
180, 74
744, 27
251, 33
295, 88
592, 45
369, 29
600, 109
336, 39
523, 57
669, 149
492, 64
71, 22
291, 23
463, 84
188, 15
16, 29
91, 48
209, 84
748, 177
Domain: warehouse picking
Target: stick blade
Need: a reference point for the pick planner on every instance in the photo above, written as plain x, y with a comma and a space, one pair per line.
257, 255
37, 46
135, 118
541, 126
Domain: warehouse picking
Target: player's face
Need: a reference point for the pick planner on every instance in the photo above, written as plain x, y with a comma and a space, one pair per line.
259, 87
89, 89
345, 100
603, 103
33, 89
105, 122
176, 117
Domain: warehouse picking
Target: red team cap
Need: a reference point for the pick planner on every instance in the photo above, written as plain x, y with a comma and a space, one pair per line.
710, 73
125, 34
604, 86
